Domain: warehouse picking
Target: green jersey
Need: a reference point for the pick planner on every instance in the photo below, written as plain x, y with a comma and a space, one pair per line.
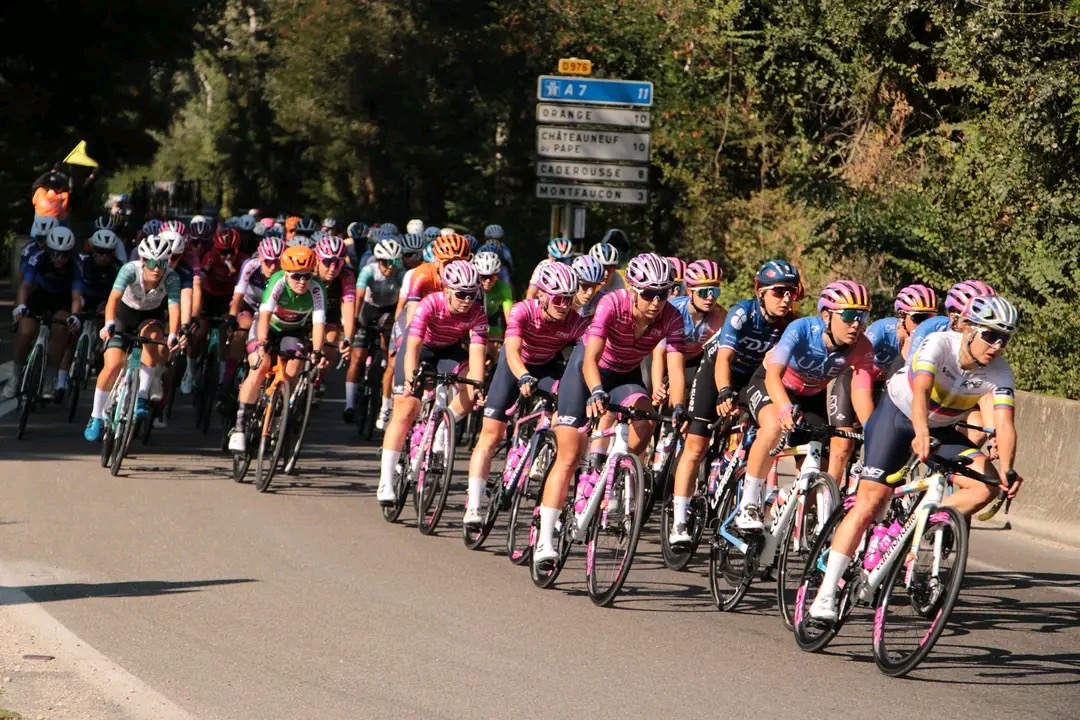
289, 310
497, 302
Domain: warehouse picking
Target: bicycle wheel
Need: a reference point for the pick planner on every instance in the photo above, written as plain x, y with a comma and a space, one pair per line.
80, 368
822, 495
31, 387
731, 569
811, 635
125, 425
563, 536
252, 426
492, 499
912, 614
402, 484
204, 403
299, 414
437, 469
614, 531
274, 421
525, 494
677, 557
374, 393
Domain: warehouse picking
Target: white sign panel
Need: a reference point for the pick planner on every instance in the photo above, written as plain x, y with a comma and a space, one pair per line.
586, 115
592, 171
591, 144
592, 193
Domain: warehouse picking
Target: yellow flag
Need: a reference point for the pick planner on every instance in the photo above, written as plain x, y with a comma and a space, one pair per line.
78, 156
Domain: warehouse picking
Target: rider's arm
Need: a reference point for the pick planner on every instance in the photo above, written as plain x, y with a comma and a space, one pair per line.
1005, 432
318, 316
590, 368
196, 296
477, 363
658, 367
676, 369
722, 368
512, 345
234, 304
76, 301
172, 291
25, 288
774, 383
263, 331
412, 355
110, 306
862, 381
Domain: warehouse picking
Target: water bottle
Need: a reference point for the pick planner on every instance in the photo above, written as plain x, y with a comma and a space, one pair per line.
889, 538
512, 459
586, 483
663, 449
873, 550
778, 504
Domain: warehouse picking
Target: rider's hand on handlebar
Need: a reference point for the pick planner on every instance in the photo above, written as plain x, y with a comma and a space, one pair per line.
920, 445
20, 311
787, 418
318, 359
725, 402
597, 403
679, 417
74, 323
344, 345
107, 331
1011, 484
659, 396
173, 342
526, 385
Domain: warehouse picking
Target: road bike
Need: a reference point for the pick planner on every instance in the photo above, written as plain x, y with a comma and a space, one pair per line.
32, 382
87, 348
120, 421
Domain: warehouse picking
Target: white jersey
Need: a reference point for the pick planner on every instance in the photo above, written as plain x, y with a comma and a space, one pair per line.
955, 391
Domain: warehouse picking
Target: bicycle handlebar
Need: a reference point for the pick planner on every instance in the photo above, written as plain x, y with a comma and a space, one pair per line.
426, 373
959, 466
816, 431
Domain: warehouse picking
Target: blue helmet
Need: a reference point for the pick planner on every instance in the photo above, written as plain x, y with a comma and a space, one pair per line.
429, 254
560, 248
777, 272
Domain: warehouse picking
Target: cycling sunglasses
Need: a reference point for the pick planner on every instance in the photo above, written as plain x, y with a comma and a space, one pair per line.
707, 292
588, 286
59, 254
300, 276
101, 251
650, 295
155, 264
993, 337
334, 262
560, 301
464, 295
921, 317
781, 291
412, 255
850, 316
485, 278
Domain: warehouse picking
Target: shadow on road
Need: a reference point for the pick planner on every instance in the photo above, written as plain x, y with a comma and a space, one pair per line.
82, 591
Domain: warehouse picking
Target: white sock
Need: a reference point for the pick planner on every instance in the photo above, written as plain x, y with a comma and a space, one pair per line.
679, 506
61, 379
834, 570
146, 376
476, 486
751, 492
457, 417
101, 401
389, 462
351, 389
548, 516
387, 402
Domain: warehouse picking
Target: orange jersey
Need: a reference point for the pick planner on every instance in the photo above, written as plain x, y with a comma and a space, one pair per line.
50, 203
426, 279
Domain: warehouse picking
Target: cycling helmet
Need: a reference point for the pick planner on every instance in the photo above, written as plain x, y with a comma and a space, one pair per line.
450, 247
104, 239
330, 247
329, 223
317, 236
429, 255
389, 228
844, 295
615, 235
266, 222
777, 272
493, 232
174, 225
271, 248
300, 241
560, 248
557, 279
992, 311
60, 239
916, 299
388, 250
414, 226
460, 275
703, 273
200, 229
473, 242
678, 268
197, 218
177, 243
305, 226
226, 239
606, 253
42, 225
447, 231
151, 227
246, 223
357, 230
275, 231
487, 263
298, 259
961, 294
231, 222
104, 222
430, 233
412, 243
649, 271
589, 270
259, 230
155, 247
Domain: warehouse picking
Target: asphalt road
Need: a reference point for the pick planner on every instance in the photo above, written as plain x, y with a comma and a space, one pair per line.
304, 603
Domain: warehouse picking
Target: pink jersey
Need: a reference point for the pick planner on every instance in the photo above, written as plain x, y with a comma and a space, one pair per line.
438, 327
614, 321
541, 340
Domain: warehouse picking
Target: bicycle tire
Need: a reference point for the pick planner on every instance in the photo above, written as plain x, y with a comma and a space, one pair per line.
205, 410
520, 531
563, 535
723, 556
629, 479
124, 429
940, 606
298, 424
275, 420
402, 484
80, 362
812, 636
242, 461
106, 446
492, 500
677, 558
31, 389
374, 403
790, 561
434, 501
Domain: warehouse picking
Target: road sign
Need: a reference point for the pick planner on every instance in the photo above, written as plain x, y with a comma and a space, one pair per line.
591, 193
591, 144
592, 171
585, 115
575, 66
590, 90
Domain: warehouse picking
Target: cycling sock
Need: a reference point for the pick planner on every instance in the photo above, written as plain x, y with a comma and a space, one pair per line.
834, 570
548, 516
146, 376
61, 379
476, 486
101, 400
388, 463
351, 389
457, 416
679, 505
387, 402
751, 492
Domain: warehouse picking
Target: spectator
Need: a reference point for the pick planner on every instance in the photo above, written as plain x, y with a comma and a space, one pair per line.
52, 194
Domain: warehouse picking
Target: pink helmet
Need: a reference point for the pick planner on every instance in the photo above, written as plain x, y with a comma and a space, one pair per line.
330, 247
844, 295
649, 271
916, 299
175, 226
460, 275
678, 268
267, 222
270, 248
962, 293
703, 273
557, 279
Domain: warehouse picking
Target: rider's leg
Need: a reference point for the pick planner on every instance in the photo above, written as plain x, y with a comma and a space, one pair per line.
152, 356
112, 361
491, 434
694, 448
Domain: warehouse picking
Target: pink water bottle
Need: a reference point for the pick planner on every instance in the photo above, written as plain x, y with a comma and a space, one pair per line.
873, 549
890, 537
585, 486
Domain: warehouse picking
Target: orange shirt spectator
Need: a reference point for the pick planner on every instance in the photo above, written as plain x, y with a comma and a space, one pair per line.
51, 203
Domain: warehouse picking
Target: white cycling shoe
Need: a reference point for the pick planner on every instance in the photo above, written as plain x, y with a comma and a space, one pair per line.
823, 609
237, 442
385, 494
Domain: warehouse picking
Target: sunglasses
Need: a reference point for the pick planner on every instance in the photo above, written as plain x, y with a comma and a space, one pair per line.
560, 301
852, 316
465, 295
334, 262
102, 251
486, 278
155, 264
918, 318
588, 287
782, 291
650, 295
226, 251
412, 255
300, 276
993, 337
271, 263
709, 292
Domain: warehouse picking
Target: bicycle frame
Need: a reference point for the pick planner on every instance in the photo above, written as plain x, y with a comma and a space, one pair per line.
41, 345
620, 447
542, 416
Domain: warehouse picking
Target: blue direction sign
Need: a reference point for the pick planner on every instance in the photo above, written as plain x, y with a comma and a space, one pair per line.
553, 88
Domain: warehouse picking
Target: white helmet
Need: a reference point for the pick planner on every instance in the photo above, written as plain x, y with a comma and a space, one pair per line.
486, 263
588, 269
259, 229
605, 252
301, 240
246, 223
104, 240
649, 271
447, 231
176, 241
42, 225
412, 243
197, 218
60, 239
390, 228
317, 236
431, 232
992, 311
386, 250
493, 232
557, 279
460, 275
155, 247
414, 226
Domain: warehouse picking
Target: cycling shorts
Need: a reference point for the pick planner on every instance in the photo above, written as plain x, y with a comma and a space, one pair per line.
284, 340
503, 392
444, 359
623, 388
42, 301
130, 320
704, 394
371, 316
887, 443
690, 368
755, 396
841, 409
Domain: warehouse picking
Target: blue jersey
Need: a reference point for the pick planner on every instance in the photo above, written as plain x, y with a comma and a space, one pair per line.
938, 323
882, 335
808, 363
696, 332
97, 281
186, 273
749, 334
29, 250
42, 273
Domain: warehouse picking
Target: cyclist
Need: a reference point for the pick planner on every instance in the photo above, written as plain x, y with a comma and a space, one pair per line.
108, 222
956, 300
414, 226
39, 234
811, 352
591, 276
559, 250
98, 270
944, 380
328, 225
752, 327
498, 297
428, 277
50, 284
184, 261
292, 311
355, 234
678, 267
201, 232
219, 269
536, 333
608, 255
247, 296
302, 232
627, 326
493, 235
146, 294
340, 284
442, 321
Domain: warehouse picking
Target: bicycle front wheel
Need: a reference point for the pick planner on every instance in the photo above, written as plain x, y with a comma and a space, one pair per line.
492, 500
124, 428
31, 385
812, 635
80, 368
520, 530
677, 557
274, 421
297, 429
822, 496
437, 468
614, 531
916, 600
